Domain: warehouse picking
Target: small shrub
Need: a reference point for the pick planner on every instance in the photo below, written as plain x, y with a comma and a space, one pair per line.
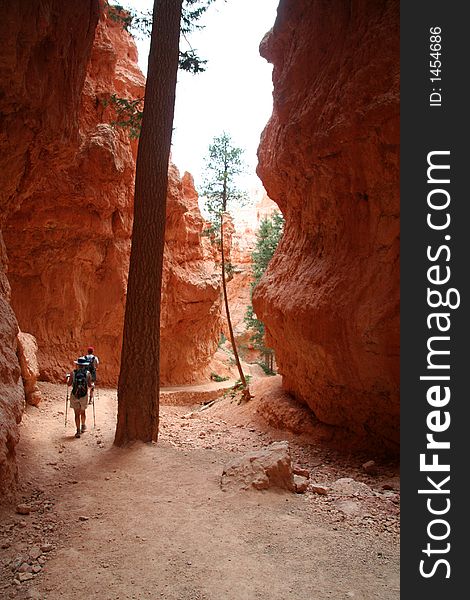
128, 114
216, 377
238, 383
266, 369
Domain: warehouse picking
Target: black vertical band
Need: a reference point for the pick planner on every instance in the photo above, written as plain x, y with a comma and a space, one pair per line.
435, 256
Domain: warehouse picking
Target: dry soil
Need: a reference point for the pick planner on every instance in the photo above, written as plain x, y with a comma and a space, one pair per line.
151, 521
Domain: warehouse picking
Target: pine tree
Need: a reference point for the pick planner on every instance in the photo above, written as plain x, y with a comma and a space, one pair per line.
220, 191
267, 239
139, 377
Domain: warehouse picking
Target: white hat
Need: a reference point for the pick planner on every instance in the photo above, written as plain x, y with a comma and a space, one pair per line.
82, 361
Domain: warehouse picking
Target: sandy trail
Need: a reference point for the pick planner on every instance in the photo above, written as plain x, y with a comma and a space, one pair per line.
151, 521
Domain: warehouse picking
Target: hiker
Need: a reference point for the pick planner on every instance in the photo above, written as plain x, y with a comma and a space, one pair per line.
93, 360
81, 382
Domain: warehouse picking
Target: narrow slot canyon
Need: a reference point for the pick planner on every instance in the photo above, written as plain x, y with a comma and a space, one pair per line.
294, 493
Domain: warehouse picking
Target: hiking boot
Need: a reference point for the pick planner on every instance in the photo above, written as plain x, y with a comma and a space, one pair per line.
83, 427
77, 435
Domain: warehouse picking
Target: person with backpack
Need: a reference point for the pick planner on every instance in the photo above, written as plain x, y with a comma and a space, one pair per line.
81, 381
93, 361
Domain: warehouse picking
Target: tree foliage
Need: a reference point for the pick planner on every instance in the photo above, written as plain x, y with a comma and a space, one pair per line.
267, 239
220, 190
128, 114
139, 24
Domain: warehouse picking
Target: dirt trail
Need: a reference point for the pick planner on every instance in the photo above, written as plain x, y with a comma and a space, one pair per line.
151, 521
194, 394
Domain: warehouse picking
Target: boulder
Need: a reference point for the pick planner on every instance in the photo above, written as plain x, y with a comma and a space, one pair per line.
270, 467
319, 489
300, 483
27, 355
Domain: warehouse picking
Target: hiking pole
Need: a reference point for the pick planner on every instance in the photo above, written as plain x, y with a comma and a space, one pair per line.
94, 419
67, 398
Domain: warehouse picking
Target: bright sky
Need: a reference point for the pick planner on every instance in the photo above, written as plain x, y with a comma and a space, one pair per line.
234, 93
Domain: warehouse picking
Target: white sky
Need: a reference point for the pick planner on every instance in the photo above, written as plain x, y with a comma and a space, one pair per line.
235, 92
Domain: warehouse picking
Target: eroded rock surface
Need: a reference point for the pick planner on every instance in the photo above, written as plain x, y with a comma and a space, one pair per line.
11, 386
69, 242
329, 159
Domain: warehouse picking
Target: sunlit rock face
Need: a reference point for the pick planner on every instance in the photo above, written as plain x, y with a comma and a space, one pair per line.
43, 57
329, 158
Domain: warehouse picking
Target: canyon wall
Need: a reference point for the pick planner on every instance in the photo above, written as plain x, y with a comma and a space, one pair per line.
43, 57
69, 242
329, 158
11, 387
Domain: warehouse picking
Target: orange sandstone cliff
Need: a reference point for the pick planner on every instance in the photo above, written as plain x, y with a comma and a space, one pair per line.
190, 317
329, 158
11, 387
69, 243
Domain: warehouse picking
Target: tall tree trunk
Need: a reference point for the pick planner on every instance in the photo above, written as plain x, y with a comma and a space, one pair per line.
139, 378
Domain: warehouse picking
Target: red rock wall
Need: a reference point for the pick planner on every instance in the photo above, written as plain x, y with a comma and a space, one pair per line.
45, 45
69, 243
329, 158
11, 387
